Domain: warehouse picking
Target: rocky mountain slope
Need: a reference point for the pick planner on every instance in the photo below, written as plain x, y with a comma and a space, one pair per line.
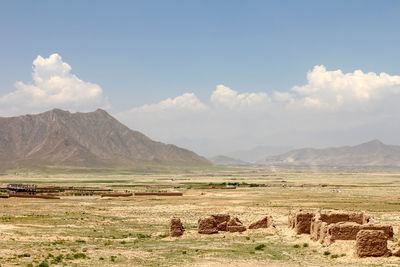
370, 154
59, 137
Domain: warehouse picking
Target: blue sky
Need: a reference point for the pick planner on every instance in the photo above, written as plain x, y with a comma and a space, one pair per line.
143, 52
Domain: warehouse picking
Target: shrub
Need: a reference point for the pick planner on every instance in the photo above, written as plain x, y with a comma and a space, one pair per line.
43, 264
57, 259
296, 246
79, 256
334, 256
112, 258
327, 253
305, 245
260, 247
143, 236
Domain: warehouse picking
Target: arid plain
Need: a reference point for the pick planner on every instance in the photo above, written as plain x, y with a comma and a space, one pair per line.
89, 230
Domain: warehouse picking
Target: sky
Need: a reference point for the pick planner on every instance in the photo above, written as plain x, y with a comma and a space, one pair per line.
211, 76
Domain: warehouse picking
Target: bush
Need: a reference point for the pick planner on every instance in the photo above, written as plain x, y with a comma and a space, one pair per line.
327, 253
334, 256
260, 247
43, 264
143, 236
112, 258
57, 259
305, 245
79, 256
296, 246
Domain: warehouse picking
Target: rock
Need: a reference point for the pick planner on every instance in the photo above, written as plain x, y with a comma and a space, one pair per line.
263, 223
207, 225
371, 243
235, 225
175, 227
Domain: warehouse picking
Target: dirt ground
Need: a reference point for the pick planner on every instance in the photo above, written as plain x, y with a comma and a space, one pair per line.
133, 231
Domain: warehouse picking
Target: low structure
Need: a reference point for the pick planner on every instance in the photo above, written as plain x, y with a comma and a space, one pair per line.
371, 243
263, 223
207, 225
235, 225
176, 228
328, 226
300, 221
222, 221
23, 189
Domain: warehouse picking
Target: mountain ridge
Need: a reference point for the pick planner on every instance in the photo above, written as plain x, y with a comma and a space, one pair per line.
369, 154
59, 137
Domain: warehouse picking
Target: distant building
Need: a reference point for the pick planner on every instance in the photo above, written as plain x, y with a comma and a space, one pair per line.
23, 189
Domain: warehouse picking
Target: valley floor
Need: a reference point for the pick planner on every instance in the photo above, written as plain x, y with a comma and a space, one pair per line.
133, 231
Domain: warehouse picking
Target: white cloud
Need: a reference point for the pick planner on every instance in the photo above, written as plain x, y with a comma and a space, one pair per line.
185, 102
53, 86
335, 88
228, 98
330, 108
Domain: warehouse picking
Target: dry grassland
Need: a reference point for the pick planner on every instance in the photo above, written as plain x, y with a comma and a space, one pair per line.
133, 231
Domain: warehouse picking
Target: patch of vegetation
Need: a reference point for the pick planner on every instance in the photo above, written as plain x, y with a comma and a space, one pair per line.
305, 245
334, 256
327, 253
296, 246
79, 256
143, 236
260, 247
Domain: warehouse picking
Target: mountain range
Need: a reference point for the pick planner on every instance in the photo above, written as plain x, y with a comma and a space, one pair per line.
371, 154
92, 139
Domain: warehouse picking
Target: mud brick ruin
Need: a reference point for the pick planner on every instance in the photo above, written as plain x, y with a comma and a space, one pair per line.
175, 227
371, 243
328, 226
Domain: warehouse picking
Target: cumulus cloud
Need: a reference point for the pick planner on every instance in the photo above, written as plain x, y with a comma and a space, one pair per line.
53, 85
185, 102
335, 88
228, 98
332, 108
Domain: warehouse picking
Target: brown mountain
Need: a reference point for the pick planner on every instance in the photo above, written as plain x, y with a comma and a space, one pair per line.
373, 154
91, 139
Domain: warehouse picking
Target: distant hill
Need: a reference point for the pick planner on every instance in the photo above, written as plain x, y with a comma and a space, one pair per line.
259, 152
228, 161
370, 154
91, 139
